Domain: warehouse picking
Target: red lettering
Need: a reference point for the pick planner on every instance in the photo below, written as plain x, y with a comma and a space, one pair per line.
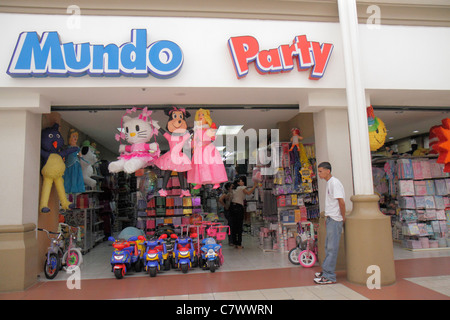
305, 60
286, 54
322, 55
243, 50
268, 61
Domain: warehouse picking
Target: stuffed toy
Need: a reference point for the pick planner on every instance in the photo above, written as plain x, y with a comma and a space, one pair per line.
139, 153
88, 158
443, 145
174, 159
207, 163
295, 139
377, 130
53, 167
73, 176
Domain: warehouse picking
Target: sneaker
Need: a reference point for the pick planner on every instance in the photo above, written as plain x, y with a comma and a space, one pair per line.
323, 280
318, 275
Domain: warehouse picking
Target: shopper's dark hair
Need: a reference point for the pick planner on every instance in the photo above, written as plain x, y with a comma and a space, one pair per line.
228, 185
244, 179
325, 165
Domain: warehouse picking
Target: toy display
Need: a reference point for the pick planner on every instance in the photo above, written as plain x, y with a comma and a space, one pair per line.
87, 160
137, 132
184, 253
305, 253
377, 130
175, 159
295, 139
156, 256
53, 167
73, 176
207, 163
443, 145
57, 255
127, 255
209, 258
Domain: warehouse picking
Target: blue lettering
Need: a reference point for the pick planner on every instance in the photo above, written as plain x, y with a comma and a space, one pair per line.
78, 58
35, 57
132, 55
105, 60
165, 59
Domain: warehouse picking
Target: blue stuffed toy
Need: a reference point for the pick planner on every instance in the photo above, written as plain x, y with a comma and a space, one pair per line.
52, 160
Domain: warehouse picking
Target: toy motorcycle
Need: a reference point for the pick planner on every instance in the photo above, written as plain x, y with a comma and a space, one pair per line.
184, 254
210, 251
156, 256
126, 255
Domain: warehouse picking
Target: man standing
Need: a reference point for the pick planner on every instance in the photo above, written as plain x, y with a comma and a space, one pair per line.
335, 219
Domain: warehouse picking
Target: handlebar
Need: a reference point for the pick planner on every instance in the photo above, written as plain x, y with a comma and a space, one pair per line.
51, 232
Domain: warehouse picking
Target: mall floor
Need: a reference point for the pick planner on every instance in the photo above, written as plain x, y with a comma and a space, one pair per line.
247, 274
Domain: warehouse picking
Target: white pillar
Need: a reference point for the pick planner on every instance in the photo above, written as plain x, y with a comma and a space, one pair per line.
356, 100
331, 138
19, 166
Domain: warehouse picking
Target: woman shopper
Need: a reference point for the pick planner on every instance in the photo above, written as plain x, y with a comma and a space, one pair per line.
225, 201
237, 210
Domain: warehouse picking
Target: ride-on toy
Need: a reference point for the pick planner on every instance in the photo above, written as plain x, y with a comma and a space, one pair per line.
184, 254
156, 256
209, 258
127, 255
305, 253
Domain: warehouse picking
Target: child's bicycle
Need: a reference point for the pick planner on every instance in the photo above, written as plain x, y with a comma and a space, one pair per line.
56, 257
305, 253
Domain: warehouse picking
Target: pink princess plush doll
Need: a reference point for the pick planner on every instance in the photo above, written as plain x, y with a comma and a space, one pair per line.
207, 164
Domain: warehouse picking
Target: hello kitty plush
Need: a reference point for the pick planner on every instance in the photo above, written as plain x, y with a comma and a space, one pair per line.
139, 153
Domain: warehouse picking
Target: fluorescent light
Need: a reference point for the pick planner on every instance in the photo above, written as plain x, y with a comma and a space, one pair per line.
229, 130
415, 131
390, 138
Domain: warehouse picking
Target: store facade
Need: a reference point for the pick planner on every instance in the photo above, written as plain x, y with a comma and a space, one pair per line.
205, 61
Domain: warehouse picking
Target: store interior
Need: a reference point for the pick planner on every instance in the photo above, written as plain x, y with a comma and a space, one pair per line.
279, 204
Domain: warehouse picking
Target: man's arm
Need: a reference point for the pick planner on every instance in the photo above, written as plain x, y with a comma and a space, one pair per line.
342, 207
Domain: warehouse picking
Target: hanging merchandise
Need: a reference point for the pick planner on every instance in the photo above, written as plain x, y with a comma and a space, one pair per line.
175, 159
443, 145
377, 130
207, 163
137, 132
87, 159
73, 175
53, 166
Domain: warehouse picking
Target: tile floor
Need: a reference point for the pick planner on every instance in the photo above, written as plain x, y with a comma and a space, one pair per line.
247, 274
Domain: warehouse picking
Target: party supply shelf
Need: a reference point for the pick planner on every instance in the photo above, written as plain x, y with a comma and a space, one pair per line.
415, 192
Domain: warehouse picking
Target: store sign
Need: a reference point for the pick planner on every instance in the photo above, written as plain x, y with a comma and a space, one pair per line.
305, 54
46, 56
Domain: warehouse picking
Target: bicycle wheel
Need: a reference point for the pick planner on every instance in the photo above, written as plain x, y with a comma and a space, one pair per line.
73, 258
293, 255
51, 266
307, 258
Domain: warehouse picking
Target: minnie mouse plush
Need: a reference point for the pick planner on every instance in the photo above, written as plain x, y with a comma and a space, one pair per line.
175, 159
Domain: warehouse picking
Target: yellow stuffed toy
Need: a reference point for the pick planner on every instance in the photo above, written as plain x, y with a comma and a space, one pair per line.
53, 168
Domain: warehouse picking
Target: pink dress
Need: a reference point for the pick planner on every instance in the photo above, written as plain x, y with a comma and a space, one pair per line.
175, 159
140, 150
207, 164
